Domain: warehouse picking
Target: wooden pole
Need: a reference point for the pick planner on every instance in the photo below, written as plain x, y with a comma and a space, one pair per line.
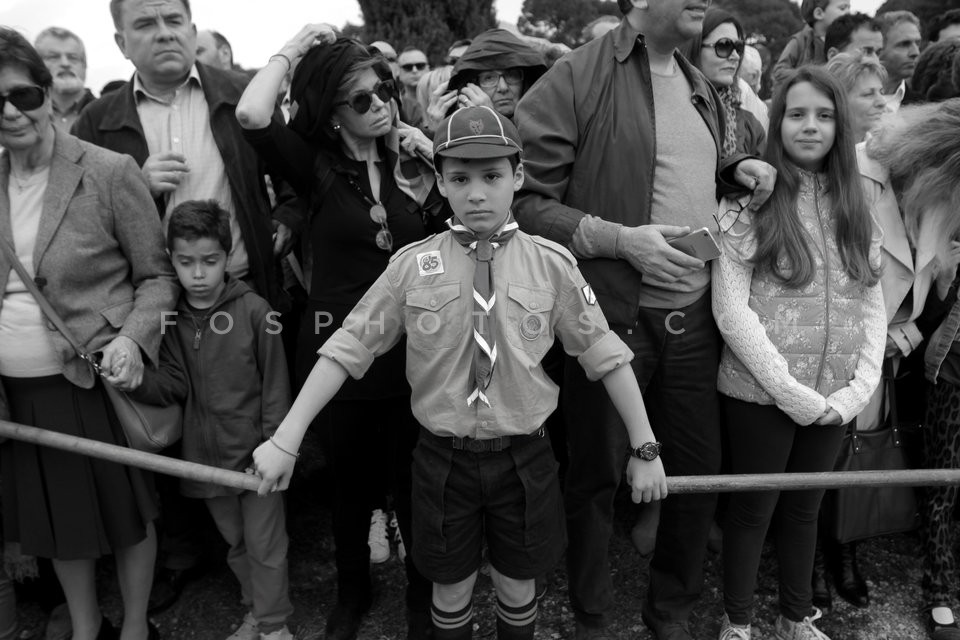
795, 481
129, 457
675, 484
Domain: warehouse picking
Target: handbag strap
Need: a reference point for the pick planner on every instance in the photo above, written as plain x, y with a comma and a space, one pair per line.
887, 398
45, 306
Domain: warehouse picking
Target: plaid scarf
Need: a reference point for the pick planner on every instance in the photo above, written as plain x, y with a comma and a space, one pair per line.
484, 300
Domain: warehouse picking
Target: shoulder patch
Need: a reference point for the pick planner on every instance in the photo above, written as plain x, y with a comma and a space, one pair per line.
430, 263
588, 295
556, 248
406, 248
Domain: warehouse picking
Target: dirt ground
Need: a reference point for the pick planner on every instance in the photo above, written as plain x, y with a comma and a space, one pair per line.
210, 607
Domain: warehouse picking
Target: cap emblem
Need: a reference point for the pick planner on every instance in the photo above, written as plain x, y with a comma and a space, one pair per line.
476, 126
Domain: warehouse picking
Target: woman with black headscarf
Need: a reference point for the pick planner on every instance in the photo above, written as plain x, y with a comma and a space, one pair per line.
370, 189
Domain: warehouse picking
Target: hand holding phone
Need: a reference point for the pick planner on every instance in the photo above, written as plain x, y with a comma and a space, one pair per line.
699, 244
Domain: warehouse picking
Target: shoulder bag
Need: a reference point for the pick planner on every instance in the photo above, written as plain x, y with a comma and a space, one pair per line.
864, 512
147, 427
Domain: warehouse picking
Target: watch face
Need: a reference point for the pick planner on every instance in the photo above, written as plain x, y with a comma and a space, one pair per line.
648, 450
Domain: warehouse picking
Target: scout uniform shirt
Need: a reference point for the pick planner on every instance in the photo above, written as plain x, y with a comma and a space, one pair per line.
427, 293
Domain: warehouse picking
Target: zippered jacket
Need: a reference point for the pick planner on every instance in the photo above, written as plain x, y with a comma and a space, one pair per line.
228, 369
800, 349
589, 148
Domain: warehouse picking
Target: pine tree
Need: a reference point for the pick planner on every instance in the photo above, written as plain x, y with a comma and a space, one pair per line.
429, 25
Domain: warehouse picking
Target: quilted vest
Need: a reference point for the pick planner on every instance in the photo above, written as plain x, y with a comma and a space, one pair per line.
817, 329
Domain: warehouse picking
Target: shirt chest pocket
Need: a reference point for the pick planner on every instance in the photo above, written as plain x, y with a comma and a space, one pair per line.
528, 318
433, 317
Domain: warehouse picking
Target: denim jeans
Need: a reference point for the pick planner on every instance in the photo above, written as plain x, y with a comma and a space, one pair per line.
676, 355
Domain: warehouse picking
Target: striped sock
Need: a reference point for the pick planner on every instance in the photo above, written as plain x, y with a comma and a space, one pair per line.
516, 623
452, 625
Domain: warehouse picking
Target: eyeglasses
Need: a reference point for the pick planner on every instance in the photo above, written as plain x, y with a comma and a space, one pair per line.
384, 238
24, 98
739, 211
724, 47
414, 66
363, 100
490, 79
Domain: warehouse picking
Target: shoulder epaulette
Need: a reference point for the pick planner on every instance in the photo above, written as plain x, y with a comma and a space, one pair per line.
558, 248
406, 248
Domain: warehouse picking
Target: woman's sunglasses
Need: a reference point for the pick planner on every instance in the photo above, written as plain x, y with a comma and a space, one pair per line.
724, 47
24, 98
414, 66
361, 102
384, 238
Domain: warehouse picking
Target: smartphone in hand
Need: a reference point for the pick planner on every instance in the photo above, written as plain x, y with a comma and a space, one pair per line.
699, 244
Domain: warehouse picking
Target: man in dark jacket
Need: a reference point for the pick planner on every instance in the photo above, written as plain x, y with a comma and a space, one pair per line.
604, 181
176, 118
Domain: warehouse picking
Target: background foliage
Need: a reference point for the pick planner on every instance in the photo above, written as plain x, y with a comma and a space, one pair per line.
430, 25
926, 10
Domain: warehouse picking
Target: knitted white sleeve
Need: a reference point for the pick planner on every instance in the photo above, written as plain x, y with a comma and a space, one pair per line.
746, 337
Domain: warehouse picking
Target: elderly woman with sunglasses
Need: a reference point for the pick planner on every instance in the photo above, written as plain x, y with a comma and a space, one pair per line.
81, 222
718, 54
370, 189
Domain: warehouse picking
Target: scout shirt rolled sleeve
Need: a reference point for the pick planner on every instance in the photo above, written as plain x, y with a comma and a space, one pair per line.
373, 327
606, 355
584, 332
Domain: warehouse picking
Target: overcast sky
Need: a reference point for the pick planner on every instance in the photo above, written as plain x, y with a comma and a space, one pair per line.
254, 31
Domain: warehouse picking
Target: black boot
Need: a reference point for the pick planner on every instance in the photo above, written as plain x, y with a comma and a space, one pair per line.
847, 579
821, 588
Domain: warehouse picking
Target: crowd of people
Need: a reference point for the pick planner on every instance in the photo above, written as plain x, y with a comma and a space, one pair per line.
498, 289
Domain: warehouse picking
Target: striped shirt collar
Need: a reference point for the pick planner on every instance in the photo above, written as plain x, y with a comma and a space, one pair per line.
140, 92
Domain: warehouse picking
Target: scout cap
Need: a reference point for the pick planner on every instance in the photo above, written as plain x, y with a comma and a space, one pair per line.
476, 132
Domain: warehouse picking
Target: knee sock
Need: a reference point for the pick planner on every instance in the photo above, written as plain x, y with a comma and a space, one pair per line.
516, 623
452, 625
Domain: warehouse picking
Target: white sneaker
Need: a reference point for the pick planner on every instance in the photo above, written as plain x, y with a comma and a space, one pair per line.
730, 631
804, 630
279, 634
248, 629
397, 538
377, 540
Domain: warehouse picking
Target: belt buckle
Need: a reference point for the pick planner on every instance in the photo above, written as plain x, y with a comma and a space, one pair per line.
476, 446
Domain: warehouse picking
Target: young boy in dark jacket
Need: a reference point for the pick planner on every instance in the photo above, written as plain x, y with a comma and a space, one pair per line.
222, 358
807, 45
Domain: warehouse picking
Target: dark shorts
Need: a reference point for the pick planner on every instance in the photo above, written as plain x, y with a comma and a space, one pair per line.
510, 499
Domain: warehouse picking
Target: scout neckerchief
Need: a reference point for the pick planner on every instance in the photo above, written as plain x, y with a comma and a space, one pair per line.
484, 300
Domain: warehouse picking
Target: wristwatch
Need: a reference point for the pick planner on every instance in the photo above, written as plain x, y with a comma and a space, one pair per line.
647, 451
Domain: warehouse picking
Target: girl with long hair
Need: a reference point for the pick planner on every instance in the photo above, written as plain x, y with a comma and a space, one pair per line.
797, 298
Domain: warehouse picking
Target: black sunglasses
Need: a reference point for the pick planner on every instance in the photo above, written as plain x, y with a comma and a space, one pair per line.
362, 101
24, 98
414, 66
724, 47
